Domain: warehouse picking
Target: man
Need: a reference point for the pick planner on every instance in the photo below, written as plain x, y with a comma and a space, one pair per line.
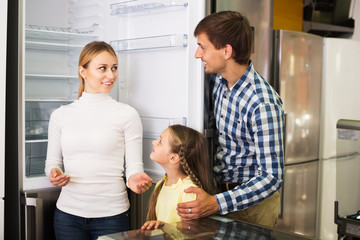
249, 118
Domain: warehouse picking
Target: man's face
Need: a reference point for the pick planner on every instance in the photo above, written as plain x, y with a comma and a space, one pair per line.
213, 59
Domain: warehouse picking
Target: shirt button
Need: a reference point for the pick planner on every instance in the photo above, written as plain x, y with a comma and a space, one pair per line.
221, 116
220, 133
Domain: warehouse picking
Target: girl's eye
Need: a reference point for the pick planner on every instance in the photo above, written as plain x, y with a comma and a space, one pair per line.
103, 68
114, 68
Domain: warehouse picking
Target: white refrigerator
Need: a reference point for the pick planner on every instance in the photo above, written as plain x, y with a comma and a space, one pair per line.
3, 29
340, 100
158, 76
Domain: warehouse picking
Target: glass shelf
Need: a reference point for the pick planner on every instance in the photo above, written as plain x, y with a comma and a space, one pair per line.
49, 100
52, 46
129, 8
153, 42
45, 140
50, 77
57, 33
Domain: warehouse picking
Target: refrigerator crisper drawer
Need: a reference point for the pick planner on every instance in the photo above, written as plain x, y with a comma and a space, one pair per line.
37, 116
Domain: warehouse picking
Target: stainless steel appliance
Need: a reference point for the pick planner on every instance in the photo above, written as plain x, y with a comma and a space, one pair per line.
297, 78
158, 76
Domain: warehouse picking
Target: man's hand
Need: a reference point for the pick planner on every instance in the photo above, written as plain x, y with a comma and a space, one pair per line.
139, 182
203, 206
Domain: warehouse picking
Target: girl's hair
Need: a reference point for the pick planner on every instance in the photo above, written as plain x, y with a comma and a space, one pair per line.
90, 51
228, 27
192, 149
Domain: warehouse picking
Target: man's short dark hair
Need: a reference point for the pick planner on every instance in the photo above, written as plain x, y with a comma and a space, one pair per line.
228, 27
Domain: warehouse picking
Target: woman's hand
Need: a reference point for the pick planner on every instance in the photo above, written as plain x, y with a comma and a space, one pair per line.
57, 178
152, 224
139, 182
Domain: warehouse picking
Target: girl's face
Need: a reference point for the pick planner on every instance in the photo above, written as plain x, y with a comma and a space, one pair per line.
101, 73
162, 149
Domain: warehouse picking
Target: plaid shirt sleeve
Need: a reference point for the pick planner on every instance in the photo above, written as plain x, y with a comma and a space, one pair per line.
266, 128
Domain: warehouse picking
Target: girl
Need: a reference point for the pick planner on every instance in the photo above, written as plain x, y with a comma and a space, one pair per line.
181, 151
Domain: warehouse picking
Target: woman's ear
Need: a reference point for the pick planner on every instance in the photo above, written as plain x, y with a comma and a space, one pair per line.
82, 72
174, 158
228, 51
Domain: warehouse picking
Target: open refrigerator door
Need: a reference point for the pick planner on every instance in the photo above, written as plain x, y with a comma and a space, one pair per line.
158, 75
3, 34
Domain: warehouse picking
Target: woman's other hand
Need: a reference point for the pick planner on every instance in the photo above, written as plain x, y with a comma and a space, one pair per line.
57, 178
152, 224
140, 182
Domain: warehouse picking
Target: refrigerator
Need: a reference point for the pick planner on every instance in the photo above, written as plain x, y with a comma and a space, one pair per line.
158, 76
340, 98
297, 77
3, 27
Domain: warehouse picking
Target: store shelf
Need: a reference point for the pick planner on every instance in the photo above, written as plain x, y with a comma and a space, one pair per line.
153, 42
327, 30
138, 7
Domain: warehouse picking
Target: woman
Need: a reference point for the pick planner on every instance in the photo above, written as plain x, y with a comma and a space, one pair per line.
97, 141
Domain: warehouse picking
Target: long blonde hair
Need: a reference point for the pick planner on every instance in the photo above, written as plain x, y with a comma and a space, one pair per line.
192, 149
90, 51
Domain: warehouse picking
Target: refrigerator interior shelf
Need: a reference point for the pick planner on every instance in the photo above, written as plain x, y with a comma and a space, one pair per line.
124, 8
153, 42
52, 46
49, 77
36, 141
49, 100
57, 33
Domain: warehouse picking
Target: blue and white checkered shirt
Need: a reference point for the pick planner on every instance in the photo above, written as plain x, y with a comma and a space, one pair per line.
250, 120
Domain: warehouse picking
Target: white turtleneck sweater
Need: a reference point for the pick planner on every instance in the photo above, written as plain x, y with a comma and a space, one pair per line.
91, 138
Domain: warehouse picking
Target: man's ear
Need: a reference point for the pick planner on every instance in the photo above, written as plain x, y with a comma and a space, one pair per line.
175, 158
82, 72
228, 51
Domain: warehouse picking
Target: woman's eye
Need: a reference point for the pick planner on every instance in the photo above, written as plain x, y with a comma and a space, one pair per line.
103, 68
114, 68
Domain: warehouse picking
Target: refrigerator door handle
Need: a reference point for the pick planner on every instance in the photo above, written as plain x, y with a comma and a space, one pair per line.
37, 203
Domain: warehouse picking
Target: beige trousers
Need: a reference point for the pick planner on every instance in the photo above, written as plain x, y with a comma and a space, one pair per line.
264, 213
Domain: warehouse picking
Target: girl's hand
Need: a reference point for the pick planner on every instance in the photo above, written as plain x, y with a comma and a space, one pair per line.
57, 178
139, 182
152, 224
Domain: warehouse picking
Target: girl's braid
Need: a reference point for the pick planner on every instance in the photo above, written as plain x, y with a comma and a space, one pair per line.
186, 167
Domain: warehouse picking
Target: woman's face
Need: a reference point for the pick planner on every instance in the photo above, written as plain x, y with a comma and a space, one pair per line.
162, 149
101, 73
